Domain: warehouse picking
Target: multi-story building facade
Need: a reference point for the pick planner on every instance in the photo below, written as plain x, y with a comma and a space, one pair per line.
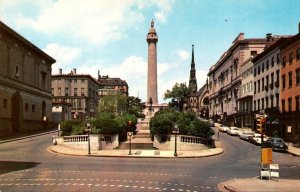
290, 88
111, 86
80, 90
25, 90
246, 97
266, 72
225, 78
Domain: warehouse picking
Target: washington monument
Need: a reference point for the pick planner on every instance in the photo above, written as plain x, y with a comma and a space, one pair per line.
152, 66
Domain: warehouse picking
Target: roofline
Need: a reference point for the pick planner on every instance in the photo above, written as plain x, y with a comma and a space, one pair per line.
25, 41
233, 47
74, 75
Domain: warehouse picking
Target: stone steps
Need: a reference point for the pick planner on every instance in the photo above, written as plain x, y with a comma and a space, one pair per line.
126, 145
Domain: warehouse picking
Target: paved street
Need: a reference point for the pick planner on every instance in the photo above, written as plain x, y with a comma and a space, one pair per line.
26, 165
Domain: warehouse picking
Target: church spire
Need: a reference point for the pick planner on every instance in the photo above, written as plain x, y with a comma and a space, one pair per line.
193, 80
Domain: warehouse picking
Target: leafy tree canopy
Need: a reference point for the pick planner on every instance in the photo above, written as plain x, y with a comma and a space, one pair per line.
177, 95
113, 103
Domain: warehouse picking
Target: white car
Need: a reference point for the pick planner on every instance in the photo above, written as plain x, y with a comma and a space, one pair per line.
244, 135
223, 128
233, 131
256, 139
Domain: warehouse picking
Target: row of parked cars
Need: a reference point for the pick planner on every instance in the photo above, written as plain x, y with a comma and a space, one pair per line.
276, 143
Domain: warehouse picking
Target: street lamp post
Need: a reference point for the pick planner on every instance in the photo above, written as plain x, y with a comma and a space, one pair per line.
88, 130
175, 131
58, 129
130, 135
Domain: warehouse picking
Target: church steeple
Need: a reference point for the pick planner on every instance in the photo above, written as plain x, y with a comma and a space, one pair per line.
193, 80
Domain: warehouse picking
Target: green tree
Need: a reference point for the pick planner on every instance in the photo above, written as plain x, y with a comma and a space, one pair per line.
113, 103
135, 106
178, 94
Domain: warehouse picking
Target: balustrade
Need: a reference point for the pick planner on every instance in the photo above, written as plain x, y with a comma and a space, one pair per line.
197, 140
76, 138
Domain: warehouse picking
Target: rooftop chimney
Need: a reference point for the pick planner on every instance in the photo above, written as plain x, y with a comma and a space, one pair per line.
299, 27
60, 71
269, 37
74, 71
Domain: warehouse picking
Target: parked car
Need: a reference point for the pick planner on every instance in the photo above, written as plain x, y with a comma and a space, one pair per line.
223, 128
276, 143
244, 135
256, 138
233, 131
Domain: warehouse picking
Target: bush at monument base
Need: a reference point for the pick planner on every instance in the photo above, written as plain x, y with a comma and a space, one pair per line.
163, 123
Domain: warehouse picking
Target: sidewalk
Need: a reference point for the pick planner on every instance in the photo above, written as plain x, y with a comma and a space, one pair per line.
136, 153
258, 185
293, 150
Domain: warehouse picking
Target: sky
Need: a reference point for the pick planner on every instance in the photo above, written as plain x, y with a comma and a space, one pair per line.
110, 35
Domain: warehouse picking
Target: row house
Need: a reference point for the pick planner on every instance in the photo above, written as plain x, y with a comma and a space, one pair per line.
290, 88
225, 78
25, 90
80, 90
266, 84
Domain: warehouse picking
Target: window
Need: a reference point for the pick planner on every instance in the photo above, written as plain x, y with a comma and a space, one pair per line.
17, 72
290, 79
272, 62
254, 72
290, 104
258, 70
258, 104
26, 107
254, 105
258, 86
4, 103
297, 99
283, 81
52, 91
32, 108
75, 91
283, 105
254, 87
267, 65
267, 102
267, 81
290, 57
253, 53
298, 54
75, 80
262, 84
43, 79
59, 91
272, 81
66, 91
277, 100
271, 100
277, 59
298, 76
82, 80
262, 103
82, 91
262, 67
283, 61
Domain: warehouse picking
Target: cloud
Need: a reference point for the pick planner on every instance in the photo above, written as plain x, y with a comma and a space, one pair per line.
183, 54
63, 55
96, 22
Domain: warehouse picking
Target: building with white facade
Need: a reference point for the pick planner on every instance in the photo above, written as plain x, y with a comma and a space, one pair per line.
225, 78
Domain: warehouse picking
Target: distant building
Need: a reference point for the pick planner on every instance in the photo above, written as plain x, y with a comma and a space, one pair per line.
25, 84
61, 111
111, 86
290, 88
80, 90
225, 79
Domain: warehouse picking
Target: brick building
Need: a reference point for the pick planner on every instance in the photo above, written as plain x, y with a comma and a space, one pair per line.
111, 86
290, 88
80, 90
25, 84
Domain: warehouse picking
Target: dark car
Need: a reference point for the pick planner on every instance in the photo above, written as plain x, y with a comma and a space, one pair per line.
276, 143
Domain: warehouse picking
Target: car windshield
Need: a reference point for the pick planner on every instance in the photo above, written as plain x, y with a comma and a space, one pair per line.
278, 140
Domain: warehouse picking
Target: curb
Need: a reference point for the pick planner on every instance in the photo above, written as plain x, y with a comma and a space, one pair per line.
127, 156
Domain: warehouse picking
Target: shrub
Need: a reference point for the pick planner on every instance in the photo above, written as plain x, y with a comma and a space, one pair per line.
68, 126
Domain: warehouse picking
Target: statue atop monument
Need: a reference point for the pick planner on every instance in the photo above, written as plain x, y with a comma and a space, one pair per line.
152, 24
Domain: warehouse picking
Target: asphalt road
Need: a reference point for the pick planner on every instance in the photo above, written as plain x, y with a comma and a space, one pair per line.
26, 165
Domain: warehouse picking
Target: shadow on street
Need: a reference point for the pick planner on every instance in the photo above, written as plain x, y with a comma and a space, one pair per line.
10, 166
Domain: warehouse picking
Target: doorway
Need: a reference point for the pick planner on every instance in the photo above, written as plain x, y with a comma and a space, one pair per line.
16, 112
